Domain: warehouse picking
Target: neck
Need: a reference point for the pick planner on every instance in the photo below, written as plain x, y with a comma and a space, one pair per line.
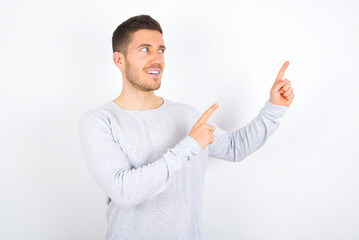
137, 100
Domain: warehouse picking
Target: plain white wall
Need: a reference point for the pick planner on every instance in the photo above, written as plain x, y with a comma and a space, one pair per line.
56, 63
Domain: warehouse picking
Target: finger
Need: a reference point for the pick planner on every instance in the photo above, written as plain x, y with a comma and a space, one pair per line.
287, 93
278, 85
291, 96
285, 87
211, 135
207, 114
210, 127
282, 71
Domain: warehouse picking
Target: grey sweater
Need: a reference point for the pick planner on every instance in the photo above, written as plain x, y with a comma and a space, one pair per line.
151, 170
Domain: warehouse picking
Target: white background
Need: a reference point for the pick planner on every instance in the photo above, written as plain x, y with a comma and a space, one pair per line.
56, 63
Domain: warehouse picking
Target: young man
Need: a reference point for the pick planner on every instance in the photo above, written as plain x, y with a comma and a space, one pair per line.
149, 154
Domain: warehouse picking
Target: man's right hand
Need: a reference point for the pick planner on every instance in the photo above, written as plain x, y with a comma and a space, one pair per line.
203, 132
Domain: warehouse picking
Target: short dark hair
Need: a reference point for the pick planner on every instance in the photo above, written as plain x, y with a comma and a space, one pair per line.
121, 37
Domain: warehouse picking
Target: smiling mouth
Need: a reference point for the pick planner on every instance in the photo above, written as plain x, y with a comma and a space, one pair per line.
153, 73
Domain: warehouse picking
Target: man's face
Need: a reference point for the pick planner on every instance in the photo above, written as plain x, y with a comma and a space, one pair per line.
144, 63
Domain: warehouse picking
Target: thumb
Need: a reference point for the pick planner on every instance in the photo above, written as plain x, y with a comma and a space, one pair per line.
278, 84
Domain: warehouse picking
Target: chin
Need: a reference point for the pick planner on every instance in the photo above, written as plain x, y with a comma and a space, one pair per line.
158, 87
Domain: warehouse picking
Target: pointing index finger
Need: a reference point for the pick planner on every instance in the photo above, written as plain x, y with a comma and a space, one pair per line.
282, 71
207, 113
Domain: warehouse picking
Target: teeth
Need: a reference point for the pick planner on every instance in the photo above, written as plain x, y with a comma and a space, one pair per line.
153, 72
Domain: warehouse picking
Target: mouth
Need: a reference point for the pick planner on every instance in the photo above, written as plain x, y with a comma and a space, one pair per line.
153, 72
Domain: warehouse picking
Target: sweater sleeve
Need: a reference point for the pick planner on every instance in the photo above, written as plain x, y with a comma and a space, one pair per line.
236, 145
108, 164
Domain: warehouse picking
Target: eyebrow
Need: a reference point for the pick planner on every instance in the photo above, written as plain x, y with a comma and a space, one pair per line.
149, 45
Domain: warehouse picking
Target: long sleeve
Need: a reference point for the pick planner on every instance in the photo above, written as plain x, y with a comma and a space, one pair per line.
107, 162
236, 145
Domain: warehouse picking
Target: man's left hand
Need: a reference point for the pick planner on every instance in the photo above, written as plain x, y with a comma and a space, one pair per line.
281, 92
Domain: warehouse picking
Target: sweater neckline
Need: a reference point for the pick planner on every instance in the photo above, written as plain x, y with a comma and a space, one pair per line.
141, 111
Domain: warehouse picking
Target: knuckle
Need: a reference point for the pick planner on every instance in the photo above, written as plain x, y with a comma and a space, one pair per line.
288, 92
210, 127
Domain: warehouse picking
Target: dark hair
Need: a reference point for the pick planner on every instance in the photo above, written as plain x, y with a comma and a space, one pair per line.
121, 37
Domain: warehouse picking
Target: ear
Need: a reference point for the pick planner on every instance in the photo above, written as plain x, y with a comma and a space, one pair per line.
118, 59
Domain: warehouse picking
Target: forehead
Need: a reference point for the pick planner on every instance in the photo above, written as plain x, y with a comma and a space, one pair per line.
141, 36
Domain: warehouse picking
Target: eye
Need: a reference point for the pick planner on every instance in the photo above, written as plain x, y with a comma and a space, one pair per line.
162, 50
144, 50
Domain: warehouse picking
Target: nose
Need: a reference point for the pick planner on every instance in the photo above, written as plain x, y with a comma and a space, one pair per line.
157, 58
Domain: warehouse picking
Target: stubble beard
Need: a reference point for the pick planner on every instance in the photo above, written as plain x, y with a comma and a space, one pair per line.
135, 80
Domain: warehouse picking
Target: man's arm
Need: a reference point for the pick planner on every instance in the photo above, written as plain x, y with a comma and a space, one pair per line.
108, 164
236, 145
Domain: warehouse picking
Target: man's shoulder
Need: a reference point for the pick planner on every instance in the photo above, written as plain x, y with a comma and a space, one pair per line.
99, 112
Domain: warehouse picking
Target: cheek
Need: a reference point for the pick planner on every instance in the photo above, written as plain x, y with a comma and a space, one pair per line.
137, 59
136, 64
